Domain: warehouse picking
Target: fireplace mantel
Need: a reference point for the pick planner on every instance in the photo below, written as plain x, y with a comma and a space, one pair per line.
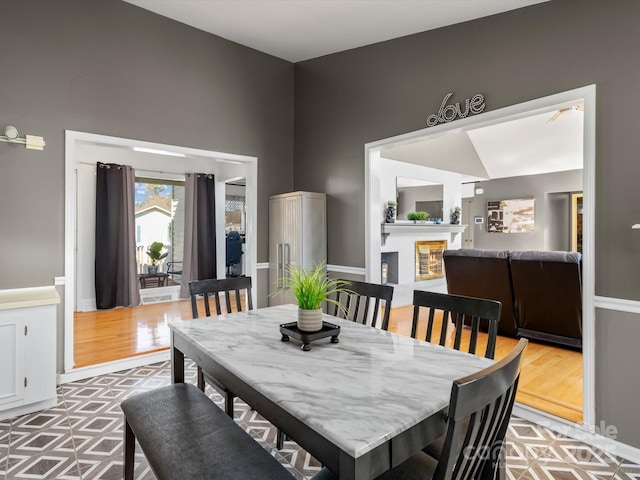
387, 229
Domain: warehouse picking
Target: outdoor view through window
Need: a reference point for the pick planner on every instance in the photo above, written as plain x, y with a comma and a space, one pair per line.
159, 216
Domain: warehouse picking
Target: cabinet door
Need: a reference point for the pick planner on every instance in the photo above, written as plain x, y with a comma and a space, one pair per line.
11, 358
40, 354
284, 243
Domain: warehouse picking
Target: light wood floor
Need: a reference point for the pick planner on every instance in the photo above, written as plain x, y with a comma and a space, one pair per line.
551, 378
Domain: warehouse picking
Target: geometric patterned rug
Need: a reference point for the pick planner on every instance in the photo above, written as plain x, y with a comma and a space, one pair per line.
81, 438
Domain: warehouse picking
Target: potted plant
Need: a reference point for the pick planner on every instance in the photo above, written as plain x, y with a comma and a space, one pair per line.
312, 288
155, 254
417, 216
390, 216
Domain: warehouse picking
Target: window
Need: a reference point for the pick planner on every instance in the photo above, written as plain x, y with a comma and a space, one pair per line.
159, 216
234, 213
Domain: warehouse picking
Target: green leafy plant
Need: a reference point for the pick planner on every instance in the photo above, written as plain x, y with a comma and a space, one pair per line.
417, 216
392, 203
457, 209
155, 252
313, 287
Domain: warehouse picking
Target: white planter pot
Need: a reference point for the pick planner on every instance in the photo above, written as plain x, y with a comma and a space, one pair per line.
310, 320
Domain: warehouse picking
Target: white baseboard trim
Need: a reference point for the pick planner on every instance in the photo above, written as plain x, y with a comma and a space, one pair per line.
30, 408
617, 304
115, 366
348, 270
330, 268
578, 432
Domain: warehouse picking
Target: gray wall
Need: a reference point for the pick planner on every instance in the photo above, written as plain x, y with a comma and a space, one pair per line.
548, 233
348, 99
111, 68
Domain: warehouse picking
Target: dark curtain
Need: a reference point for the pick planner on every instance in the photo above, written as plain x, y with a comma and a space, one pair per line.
200, 230
116, 277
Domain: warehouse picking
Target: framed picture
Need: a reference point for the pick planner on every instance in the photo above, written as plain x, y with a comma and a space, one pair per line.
511, 216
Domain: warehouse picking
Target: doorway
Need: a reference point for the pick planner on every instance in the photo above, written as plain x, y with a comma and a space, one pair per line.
374, 204
154, 161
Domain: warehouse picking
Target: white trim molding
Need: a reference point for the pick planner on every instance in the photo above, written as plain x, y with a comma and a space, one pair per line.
115, 366
262, 266
617, 304
348, 270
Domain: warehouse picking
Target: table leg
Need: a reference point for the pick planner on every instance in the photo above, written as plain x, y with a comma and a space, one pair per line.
177, 364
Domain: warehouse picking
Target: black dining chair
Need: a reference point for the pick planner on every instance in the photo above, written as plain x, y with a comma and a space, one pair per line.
364, 302
226, 287
477, 420
456, 308
214, 288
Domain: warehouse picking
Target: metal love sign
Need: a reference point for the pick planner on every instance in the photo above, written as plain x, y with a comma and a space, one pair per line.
448, 113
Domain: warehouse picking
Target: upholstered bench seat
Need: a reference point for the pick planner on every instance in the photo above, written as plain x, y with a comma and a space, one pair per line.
184, 435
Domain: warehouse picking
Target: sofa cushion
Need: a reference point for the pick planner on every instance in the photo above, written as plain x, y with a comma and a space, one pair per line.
547, 290
483, 274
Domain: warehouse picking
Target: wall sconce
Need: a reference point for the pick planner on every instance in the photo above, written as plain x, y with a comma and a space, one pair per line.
32, 142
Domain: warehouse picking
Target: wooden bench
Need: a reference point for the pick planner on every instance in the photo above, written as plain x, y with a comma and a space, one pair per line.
184, 435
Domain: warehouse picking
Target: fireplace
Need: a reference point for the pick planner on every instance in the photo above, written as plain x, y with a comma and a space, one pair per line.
429, 264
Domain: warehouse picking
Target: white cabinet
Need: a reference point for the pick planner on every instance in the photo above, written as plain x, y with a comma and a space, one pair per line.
297, 236
27, 350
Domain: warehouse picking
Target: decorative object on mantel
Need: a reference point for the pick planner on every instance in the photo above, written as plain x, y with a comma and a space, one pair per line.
448, 113
312, 288
455, 215
292, 330
390, 216
155, 254
417, 216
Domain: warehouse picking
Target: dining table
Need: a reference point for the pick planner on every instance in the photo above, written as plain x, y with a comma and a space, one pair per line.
360, 404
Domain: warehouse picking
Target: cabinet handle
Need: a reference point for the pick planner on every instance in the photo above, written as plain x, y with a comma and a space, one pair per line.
25, 382
26, 330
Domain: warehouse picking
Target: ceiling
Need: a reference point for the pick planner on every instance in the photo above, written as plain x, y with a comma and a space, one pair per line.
297, 30
531, 145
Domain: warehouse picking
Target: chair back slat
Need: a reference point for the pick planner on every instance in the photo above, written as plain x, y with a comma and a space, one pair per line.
455, 309
214, 288
357, 303
479, 413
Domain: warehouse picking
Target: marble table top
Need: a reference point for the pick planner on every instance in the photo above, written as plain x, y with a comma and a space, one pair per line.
357, 393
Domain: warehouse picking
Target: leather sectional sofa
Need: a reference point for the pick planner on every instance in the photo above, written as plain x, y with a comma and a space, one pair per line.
540, 291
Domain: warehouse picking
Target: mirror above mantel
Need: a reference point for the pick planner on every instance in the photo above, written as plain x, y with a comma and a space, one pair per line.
418, 195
